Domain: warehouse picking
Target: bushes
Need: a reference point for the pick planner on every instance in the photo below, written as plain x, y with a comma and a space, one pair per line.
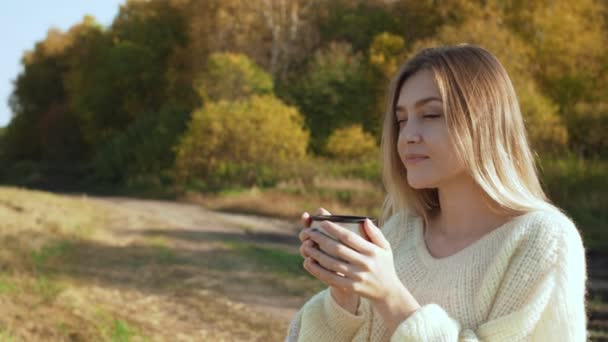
243, 143
351, 143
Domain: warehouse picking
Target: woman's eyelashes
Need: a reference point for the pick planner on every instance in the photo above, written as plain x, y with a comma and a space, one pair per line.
402, 121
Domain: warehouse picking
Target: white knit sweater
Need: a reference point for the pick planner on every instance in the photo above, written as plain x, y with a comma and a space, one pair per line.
524, 281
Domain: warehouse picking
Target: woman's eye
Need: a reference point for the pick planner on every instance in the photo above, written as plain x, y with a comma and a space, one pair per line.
432, 115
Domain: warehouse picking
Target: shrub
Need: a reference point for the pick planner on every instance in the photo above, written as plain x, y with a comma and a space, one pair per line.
351, 143
244, 143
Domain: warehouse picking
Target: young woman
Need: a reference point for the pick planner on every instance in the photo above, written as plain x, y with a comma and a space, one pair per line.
470, 247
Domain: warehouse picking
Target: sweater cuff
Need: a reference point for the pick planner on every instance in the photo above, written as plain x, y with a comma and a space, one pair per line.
340, 318
429, 323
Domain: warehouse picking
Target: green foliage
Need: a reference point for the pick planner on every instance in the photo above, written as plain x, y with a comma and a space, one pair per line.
269, 259
351, 143
334, 93
41, 257
232, 77
47, 288
2, 144
368, 169
41, 124
6, 336
579, 187
357, 22
116, 75
245, 143
144, 148
587, 124
7, 286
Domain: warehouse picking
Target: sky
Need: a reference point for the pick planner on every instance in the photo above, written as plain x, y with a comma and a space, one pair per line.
24, 22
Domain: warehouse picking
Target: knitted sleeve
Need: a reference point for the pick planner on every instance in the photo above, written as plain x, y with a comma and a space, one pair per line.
540, 298
323, 319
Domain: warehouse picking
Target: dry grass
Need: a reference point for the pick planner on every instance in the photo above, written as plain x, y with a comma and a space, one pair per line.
66, 275
288, 201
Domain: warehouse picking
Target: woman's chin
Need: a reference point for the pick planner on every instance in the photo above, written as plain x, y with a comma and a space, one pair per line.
419, 184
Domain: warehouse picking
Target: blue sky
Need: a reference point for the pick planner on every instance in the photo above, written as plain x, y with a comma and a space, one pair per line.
24, 22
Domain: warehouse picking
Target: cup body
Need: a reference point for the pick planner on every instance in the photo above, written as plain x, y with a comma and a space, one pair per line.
352, 223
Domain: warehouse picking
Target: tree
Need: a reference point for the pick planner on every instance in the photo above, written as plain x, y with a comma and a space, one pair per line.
119, 74
356, 22
43, 127
335, 91
144, 148
278, 35
232, 77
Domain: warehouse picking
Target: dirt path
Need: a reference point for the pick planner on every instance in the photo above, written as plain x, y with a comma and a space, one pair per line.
188, 225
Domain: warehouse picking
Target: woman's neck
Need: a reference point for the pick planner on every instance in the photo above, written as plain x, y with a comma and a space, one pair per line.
464, 211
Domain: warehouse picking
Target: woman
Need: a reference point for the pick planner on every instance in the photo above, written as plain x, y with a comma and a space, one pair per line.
470, 247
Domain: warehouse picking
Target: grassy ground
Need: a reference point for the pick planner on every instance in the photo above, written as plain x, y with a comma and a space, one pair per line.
67, 275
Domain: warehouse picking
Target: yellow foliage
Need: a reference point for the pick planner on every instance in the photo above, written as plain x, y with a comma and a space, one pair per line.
351, 143
232, 77
241, 143
386, 53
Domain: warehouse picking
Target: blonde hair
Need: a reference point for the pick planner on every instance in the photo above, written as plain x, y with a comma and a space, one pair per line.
485, 126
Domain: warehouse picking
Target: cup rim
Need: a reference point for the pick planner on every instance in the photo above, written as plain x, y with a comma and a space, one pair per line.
341, 218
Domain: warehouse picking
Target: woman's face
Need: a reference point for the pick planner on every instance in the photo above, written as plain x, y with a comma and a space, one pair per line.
423, 144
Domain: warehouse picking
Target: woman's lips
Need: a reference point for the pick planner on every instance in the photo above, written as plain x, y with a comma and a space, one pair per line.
415, 160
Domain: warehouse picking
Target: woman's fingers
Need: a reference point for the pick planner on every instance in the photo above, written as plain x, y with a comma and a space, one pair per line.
348, 238
306, 221
305, 246
337, 249
330, 263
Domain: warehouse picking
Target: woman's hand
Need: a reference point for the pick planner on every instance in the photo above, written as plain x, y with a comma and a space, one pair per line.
367, 266
345, 298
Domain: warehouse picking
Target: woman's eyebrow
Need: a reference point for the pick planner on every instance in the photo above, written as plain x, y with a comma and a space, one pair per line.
418, 103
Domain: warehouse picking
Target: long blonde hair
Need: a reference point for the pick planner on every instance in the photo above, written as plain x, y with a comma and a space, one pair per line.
485, 125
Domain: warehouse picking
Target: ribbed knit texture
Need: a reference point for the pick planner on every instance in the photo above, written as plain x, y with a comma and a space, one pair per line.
524, 281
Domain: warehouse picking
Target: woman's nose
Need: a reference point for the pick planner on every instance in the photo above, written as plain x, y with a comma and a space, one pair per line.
411, 133
413, 138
